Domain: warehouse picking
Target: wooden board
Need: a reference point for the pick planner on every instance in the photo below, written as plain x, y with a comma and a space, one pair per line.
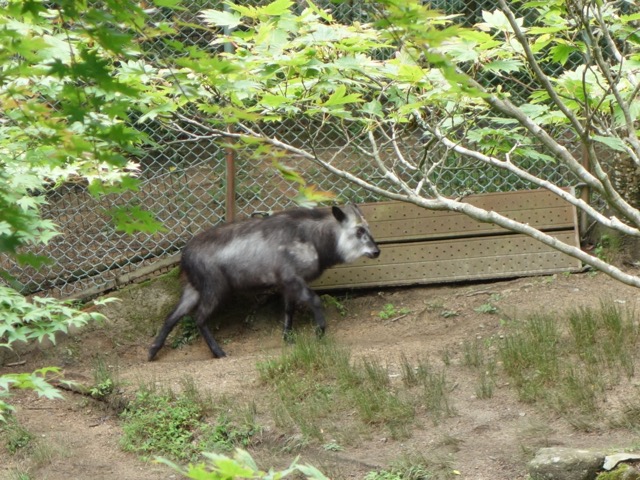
451, 261
422, 246
399, 221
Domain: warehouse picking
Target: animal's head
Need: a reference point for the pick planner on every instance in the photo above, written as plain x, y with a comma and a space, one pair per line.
355, 239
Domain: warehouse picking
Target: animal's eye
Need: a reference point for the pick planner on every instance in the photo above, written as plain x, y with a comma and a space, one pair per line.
360, 232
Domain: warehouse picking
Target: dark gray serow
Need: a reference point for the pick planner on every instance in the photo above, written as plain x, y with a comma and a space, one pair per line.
286, 251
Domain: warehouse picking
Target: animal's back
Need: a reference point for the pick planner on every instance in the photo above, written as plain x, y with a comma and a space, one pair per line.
258, 253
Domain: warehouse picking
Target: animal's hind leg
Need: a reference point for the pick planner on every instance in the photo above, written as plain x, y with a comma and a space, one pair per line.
206, 307
296, 290
289, 309
188, 300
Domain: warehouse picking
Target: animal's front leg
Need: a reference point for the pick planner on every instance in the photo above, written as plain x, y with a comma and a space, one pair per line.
296, 290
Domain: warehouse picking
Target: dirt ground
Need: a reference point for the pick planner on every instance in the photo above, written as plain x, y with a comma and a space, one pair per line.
486, 439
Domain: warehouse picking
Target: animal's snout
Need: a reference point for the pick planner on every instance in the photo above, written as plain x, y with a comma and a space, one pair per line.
374, 254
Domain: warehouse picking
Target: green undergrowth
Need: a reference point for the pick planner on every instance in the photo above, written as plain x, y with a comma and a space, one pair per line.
314, 382
569, 363
181, 425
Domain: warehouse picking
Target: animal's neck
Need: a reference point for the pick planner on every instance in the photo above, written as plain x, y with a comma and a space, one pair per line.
327, 246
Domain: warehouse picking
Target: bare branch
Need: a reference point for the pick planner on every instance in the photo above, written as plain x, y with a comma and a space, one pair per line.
613, 222
614, 80
540, 75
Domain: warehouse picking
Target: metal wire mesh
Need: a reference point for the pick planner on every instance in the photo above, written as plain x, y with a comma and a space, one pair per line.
183, 185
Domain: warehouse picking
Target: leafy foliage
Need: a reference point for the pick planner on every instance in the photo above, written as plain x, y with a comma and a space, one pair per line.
241, 465
36, 320
70, 84
178, 426
421, 96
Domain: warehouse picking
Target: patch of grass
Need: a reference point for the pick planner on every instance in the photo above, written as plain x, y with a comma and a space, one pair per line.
415, 467
185, 334
430, 387
315, 380
389, 310
330, 300
569, 363
376, 401
487, 380
103, 379
180, 426
19, 475
16, 437
473, 353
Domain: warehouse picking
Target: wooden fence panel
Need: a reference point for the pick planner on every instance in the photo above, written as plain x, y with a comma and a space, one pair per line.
421, 246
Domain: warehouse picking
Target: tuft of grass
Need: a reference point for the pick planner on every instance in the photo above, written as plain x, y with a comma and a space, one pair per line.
19, 475
304, 383
323, 375
569, 363
331, 301
487, 380
473, 353
104, 383
186, 333
415, 467
530, 356
431, 386
389, 310
180, 426
16, 437
376, 401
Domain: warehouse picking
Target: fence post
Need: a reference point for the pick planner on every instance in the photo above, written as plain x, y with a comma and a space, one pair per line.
230, 189
230, 154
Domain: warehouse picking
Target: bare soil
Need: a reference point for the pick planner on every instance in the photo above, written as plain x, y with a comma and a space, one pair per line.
490, 438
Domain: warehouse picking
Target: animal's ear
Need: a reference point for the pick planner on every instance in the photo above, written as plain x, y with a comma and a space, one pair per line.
338, 214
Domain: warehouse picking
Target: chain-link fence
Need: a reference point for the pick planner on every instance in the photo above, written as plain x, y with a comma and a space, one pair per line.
183, 184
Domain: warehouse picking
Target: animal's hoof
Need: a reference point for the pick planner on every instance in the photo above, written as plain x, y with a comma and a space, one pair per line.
320, 332
152, 353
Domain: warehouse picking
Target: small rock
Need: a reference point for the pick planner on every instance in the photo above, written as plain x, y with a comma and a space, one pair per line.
558, 463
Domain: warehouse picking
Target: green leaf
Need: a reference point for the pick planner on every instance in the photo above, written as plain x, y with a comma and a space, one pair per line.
338, 97
289, 174
560, 53
220, 18
133, 219
312, 472
279, 7
374, 107
173, 4
310, 196
496, 19
613, 143
230, 468
507, 66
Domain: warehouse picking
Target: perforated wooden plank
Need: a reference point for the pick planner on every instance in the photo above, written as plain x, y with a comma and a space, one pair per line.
398, 221
453, 260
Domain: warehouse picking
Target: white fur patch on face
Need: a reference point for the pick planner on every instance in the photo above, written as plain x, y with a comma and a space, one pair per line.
350, 245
